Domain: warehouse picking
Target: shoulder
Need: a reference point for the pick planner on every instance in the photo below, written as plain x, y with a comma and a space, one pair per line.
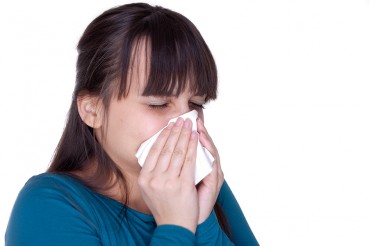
49, 194
46, 180
56, 195
48, 186
49, 206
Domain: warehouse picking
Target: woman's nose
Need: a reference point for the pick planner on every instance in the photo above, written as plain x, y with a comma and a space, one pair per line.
182, 109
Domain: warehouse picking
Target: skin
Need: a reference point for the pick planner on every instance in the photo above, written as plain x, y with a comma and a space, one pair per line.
165, 186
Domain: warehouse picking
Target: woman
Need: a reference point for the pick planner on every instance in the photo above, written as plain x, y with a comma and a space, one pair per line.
138, 67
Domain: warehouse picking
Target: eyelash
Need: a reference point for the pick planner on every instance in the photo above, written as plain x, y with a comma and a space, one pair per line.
163, 106
199, 106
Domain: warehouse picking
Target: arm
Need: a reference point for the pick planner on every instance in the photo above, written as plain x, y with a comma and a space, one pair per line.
172, 235
210, 233
240, 229
50, 211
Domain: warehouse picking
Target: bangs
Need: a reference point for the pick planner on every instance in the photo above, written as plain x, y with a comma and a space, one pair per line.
177, 57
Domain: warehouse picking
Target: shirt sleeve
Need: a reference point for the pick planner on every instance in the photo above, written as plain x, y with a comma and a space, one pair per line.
210, 233
240, 229
47, 212
172, 235
43, 215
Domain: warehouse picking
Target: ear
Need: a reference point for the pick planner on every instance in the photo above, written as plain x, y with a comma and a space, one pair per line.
90, 110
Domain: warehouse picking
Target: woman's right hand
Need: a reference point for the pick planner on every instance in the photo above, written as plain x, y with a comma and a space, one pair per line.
167, 177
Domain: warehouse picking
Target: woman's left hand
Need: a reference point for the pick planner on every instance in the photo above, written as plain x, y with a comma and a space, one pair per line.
208, 189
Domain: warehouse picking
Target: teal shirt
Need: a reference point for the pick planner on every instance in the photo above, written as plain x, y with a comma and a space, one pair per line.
56, 209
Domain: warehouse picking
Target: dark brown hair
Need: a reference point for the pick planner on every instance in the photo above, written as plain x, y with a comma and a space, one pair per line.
177, 56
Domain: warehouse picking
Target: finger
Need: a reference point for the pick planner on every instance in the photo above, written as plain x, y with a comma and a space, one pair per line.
208, 143
168, 148
155, 150
205, 139
181, 148
217, 170
188, 168
219, 174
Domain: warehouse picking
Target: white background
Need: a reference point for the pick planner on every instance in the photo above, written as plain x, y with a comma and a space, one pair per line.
291, 122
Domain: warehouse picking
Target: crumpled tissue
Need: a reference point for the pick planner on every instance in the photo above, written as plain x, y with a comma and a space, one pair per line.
204, 160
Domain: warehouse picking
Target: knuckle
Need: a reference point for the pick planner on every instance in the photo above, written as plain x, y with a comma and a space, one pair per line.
189, 158
159, 184
176, 129
155, 184
170, 184
186, 131
178, 152
155, 149
142, 181
167, 150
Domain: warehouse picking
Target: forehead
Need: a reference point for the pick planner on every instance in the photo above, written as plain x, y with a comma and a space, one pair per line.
139, 75
139, 67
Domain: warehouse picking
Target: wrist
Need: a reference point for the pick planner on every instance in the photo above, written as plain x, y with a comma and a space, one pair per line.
203, 218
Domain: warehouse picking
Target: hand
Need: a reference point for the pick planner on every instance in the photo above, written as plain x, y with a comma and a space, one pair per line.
209, 187
167, 177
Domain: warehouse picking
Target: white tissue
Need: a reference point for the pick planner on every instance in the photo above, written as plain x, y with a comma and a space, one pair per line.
204, 160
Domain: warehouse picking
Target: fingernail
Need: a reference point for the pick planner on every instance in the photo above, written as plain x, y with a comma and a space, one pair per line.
179, 121
187, 123
170, 125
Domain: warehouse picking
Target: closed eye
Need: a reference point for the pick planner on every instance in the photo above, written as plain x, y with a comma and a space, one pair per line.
192, 105
158, 106
197, 106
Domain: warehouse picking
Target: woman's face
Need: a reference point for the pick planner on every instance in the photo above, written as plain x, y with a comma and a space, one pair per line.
135, 118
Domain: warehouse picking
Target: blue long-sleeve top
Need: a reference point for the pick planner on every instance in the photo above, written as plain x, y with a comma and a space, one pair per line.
56, 209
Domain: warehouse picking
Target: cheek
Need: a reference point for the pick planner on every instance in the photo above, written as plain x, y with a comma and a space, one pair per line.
150, 127
126, 134
144, 128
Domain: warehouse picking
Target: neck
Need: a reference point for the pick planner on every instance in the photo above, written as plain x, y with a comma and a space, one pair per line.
131, 190
124, 191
